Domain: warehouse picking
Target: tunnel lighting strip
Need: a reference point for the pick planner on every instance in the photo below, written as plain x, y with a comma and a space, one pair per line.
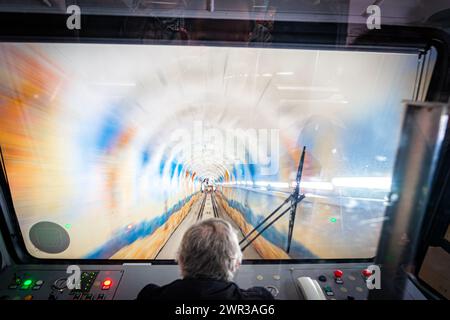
381, 183
315, 89
319, 185
114, 84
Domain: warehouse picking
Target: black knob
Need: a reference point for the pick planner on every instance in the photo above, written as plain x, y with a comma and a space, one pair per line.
322, 278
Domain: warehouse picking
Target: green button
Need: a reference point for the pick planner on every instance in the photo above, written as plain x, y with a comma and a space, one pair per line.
27, 283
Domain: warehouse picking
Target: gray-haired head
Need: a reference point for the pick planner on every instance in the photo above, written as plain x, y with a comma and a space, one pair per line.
210, 249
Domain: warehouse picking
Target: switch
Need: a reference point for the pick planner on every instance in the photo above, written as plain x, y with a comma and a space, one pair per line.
328, 291
17, 281
106, 284
26, 284
366, 273
338, 276
39, 283
338, 273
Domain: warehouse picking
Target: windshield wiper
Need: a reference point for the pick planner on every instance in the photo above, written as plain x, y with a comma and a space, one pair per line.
294, 198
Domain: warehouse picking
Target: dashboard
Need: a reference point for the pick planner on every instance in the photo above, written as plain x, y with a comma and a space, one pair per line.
345, 281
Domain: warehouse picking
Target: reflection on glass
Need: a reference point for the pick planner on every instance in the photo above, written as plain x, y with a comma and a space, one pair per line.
122, 146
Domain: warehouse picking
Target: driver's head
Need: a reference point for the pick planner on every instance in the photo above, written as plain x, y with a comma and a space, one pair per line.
210, 249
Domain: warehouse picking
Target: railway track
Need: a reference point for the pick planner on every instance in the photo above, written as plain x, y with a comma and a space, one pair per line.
202, 208
214, 206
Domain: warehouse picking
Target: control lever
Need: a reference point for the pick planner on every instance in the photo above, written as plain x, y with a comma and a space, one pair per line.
311, 289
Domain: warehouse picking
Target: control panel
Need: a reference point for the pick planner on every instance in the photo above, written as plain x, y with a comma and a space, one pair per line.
52, 285
123, 282
339, 284
335, 281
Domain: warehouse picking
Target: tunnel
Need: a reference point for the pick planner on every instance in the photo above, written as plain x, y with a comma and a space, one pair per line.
134, 154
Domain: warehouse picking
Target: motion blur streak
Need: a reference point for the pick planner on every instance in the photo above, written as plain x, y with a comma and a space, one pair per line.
117, 141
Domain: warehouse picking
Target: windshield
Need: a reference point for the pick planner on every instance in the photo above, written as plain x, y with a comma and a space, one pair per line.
113, 151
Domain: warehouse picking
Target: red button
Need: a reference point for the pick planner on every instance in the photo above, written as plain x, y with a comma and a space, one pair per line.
338, 273
107, 283
366, 273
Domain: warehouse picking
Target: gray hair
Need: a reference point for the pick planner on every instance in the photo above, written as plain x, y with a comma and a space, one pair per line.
210, 249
